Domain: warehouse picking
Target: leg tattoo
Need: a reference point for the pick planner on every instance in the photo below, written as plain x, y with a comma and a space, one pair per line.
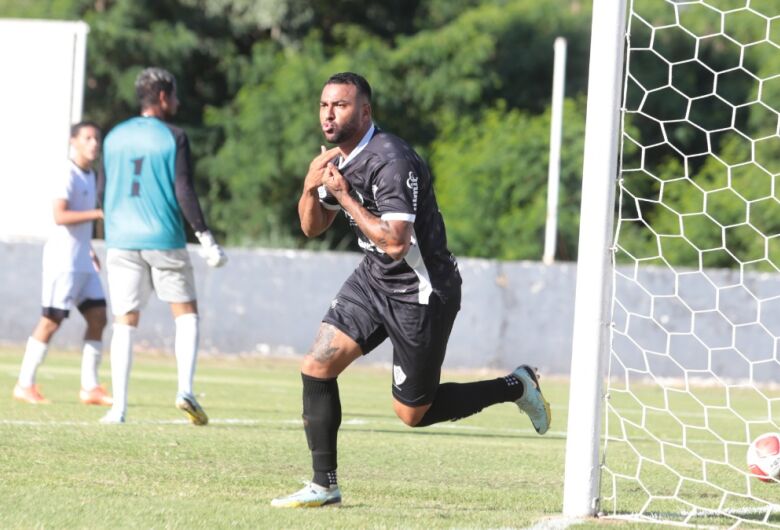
323, 349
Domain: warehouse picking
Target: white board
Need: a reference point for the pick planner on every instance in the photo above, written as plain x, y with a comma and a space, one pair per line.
41, 94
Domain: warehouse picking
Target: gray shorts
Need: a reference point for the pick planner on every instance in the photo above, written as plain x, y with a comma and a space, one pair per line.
134, 274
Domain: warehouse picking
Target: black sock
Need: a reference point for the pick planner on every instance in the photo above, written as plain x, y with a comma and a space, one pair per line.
454, 401
321, 420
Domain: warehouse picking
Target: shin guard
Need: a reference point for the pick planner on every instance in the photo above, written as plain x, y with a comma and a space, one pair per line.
321, 420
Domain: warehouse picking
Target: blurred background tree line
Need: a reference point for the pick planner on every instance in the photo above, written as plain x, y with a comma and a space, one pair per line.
467, 82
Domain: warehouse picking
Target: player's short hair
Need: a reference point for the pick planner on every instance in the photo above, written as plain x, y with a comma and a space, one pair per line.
150, 82
76, 127
351, 78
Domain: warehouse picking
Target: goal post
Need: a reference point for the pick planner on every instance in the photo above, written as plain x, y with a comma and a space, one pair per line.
676, 343
591, 308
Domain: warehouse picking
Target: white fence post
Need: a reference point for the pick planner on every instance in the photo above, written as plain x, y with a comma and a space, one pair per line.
554, 167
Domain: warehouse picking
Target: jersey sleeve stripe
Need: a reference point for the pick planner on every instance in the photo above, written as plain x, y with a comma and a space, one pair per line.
398, 216
329, 206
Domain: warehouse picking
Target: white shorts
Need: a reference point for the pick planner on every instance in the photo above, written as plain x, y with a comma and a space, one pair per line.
134, 274
64, 290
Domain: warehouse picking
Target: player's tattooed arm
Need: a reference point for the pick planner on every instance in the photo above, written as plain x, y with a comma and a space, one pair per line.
393, 237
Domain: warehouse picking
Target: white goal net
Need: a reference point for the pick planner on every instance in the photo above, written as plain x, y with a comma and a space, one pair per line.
694, 362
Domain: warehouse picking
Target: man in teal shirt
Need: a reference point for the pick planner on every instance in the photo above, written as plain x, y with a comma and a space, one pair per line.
146, 188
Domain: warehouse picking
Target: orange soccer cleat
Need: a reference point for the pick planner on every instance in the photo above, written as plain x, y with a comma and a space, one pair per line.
29, 394
96, 396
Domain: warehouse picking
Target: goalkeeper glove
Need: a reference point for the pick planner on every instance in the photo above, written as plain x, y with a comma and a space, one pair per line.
210, 251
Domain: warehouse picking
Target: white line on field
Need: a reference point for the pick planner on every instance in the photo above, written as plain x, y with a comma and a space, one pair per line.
555, 524
246, 421
672, 518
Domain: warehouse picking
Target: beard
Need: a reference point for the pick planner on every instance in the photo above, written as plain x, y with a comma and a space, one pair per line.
345, 132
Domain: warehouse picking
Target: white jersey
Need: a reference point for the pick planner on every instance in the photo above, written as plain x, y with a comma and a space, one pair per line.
68, 246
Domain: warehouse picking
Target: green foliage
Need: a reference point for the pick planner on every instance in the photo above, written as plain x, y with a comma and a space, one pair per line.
493, 194
271, 133
707, 198
467, 82
424, 84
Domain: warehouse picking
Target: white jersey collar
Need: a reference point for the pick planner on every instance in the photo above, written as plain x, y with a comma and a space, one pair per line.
360, 146
78, 168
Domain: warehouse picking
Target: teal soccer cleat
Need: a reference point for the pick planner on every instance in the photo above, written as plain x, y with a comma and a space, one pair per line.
532, 402
310, 496
190, 406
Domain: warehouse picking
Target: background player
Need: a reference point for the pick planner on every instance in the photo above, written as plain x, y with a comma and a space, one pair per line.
406, 288
70, 276
146, 187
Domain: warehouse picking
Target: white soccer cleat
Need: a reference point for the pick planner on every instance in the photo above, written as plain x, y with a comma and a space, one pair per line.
113, 417
532, 402
190, 406
310, 496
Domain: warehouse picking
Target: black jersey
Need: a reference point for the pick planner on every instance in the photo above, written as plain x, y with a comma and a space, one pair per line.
392, 182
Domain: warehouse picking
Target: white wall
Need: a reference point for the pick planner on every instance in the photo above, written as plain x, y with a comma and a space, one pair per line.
41, 95
267, 301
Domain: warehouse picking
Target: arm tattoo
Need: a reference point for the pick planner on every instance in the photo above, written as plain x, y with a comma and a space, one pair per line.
323, 350
382, 241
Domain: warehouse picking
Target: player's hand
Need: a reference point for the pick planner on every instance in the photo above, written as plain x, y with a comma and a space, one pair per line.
317, 167
335, 182
210, 251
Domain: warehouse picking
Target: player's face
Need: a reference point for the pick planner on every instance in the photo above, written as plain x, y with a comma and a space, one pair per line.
343, 114
87, 143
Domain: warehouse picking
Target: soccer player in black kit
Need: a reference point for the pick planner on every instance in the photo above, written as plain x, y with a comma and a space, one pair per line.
407, 288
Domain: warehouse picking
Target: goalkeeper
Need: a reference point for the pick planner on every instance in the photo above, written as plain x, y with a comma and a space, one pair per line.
146, 187
407, 288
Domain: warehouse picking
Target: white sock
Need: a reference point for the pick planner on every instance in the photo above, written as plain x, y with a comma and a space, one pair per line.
34, 354
91, 355
121, 362
186, 349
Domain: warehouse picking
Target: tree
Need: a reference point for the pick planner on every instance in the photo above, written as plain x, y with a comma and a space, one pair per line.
491, 181
250, 73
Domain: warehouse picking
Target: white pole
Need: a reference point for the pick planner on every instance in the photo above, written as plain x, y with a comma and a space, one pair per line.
554, 167
590, 339
80, 30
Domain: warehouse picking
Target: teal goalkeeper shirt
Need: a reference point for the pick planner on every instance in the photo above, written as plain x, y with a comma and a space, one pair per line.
146, 165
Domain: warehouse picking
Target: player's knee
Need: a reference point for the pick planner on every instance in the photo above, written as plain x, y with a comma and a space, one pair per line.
51, 324
128, 319
46, 327
409, 420
316, 366
411, 416
97, 320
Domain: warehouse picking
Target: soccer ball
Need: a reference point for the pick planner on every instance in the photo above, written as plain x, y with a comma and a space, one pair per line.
763, 457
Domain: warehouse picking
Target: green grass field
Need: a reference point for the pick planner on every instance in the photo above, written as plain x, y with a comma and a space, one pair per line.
59, 468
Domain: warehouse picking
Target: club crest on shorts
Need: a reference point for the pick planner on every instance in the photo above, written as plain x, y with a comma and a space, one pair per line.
398, 375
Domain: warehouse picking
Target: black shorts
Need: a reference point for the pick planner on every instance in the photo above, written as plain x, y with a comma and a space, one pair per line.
58, 314
419, 333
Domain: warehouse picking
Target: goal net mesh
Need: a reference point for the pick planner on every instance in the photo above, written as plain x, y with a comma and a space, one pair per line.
694, 362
